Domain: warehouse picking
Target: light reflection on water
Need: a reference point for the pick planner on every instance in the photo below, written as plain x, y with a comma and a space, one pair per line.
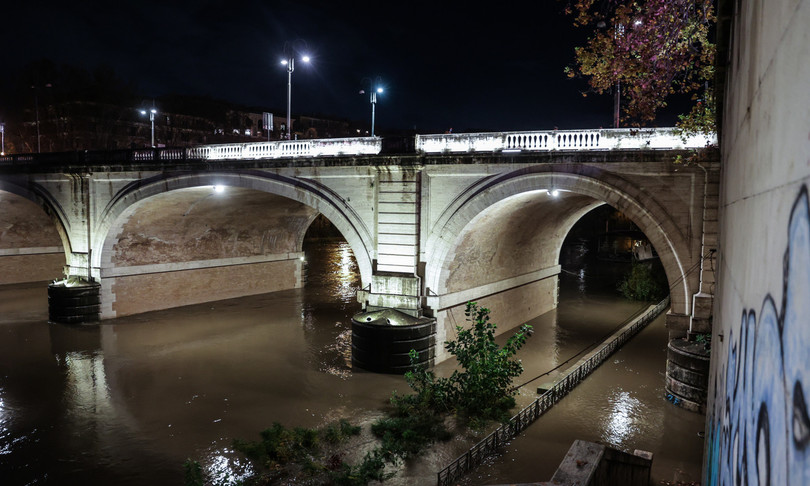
128, 401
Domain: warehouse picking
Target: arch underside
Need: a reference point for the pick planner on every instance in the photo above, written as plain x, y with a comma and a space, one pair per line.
312, 197
31, 245
180, 238
510, 225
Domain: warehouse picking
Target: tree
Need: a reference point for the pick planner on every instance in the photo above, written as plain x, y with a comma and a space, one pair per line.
481, 389
484, 386
648, 50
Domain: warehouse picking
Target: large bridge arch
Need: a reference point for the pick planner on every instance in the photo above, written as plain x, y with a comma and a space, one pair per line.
42, 198
304, 192
672, 245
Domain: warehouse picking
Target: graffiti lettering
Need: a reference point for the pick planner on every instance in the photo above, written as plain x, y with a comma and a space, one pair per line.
760, 431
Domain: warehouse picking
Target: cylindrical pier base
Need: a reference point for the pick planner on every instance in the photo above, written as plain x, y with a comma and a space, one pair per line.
74, 301
381, 341
687, 379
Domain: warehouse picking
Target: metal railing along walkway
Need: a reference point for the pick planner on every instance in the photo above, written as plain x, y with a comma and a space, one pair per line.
500, 436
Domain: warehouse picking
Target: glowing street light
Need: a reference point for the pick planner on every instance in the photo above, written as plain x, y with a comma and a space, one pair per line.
152, 113
289, 61
373, 89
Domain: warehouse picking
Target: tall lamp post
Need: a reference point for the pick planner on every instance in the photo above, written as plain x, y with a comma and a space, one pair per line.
152, 113
36, 109
374, 88
289, 61
2, 139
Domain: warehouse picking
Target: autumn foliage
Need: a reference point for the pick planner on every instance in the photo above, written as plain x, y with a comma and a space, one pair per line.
650, 49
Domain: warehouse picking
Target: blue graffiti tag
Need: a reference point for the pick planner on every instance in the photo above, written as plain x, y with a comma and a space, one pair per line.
760, 431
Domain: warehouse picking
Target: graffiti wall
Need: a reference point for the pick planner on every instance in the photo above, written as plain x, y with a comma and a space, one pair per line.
757, 421
761, 431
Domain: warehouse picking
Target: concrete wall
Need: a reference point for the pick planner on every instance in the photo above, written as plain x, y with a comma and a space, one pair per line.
758, 431
30, 247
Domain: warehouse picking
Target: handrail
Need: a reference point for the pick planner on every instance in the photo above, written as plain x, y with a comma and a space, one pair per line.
324, 147
494, 142
551, 140
500, 436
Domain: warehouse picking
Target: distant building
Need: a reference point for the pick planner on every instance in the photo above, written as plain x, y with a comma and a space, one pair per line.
86, 125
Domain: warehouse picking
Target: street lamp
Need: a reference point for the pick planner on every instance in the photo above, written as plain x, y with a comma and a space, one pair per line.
2, 139
374, 88
289, 61
152, 113
36, 109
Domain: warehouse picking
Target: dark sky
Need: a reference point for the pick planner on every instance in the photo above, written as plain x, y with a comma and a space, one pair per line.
443, 64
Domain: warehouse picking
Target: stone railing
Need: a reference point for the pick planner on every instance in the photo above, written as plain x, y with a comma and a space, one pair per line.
324, 147
549, 140
288, 148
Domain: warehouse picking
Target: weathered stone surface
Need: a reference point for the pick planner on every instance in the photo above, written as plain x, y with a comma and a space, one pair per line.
146, 292
31, 268
199, 224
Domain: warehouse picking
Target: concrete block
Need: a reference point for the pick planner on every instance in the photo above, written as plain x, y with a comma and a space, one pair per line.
390, 301
702, 306
399, 187
390, 239
701, 326
396, 250
397, 228
397, 207
677, 322
397, 218
397, 197
398, 260
404, 269
395, 284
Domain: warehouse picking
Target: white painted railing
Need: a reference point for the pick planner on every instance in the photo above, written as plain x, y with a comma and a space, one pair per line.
288, 148
603, 139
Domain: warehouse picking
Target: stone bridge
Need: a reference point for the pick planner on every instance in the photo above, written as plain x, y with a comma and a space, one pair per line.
462, 217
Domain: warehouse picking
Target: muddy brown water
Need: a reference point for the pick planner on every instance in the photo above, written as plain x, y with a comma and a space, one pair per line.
126, 402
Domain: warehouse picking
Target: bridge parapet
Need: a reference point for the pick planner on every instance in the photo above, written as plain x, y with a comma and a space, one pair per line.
550, 140
324, 147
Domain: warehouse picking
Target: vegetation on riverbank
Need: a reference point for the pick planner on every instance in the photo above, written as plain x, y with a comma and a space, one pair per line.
641, 283
476, 394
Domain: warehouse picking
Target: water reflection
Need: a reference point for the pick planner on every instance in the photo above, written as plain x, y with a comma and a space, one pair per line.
620, 419
128, 401
224, 467
86, 390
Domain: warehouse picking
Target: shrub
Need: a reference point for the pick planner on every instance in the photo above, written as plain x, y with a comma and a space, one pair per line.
642, 284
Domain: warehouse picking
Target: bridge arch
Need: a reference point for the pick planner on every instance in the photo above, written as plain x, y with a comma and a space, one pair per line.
36, 194
464, 215
308, 194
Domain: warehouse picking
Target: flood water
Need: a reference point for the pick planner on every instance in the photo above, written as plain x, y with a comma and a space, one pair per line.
126, 402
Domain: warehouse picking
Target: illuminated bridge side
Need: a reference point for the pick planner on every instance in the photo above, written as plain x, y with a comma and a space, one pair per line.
462, 217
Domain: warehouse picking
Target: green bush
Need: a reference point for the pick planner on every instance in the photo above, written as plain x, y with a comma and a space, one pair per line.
299, 447
642, 284
483, 389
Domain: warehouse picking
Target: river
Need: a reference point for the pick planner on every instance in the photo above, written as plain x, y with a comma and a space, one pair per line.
126, 402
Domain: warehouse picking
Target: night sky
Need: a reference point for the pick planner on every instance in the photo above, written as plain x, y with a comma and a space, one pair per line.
443, 64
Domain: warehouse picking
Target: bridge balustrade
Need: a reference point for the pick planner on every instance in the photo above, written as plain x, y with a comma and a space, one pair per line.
494, 142
549, 140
